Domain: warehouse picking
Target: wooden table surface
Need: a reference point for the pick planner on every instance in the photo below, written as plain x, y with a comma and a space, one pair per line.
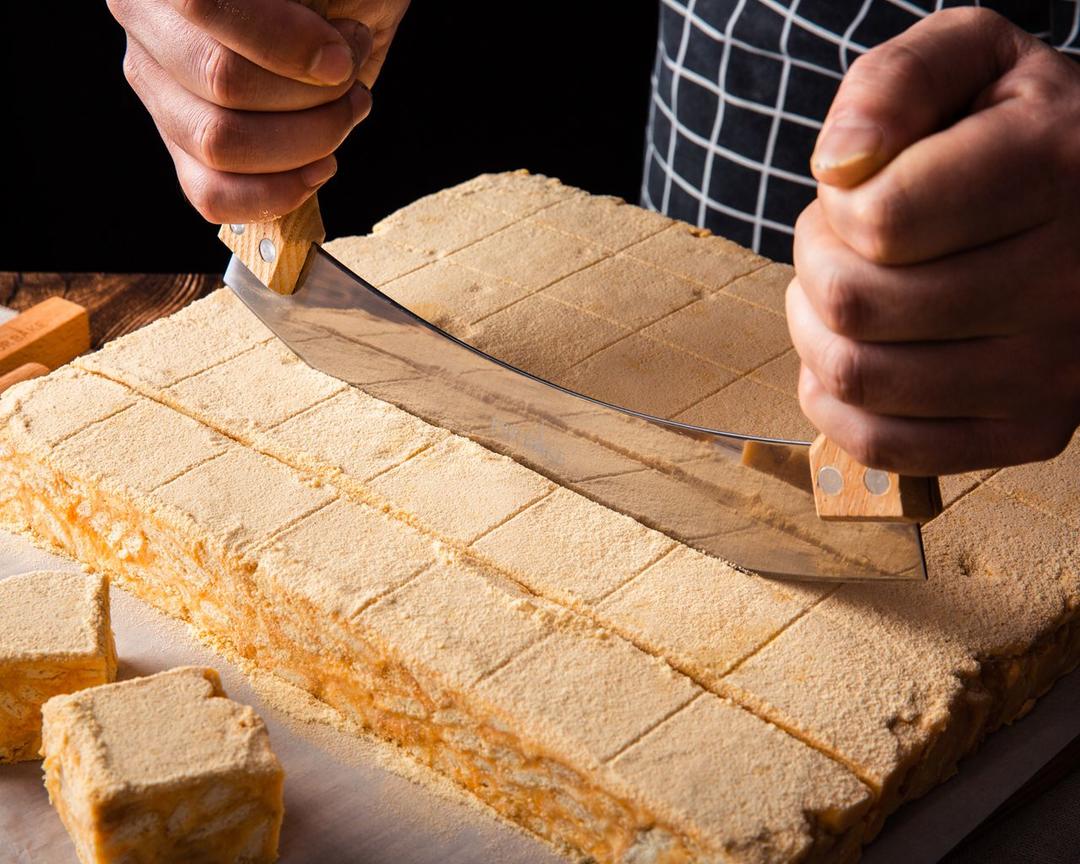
121, 302
118, 302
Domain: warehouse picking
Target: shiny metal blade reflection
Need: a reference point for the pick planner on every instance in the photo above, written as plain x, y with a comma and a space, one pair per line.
688, 482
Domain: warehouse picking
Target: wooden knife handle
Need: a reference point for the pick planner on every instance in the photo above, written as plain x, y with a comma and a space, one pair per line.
275, 251
51, 333
845, 491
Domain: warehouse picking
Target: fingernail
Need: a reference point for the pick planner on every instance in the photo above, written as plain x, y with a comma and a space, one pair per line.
333, 63
317, 173
846, 141
360, 100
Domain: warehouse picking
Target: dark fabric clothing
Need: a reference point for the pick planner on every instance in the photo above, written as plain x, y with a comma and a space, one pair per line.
740, 89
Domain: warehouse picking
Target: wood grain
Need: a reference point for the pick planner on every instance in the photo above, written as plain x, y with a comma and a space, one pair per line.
118, 302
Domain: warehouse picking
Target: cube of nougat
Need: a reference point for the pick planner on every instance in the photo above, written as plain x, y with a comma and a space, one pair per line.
55, 638
163, 769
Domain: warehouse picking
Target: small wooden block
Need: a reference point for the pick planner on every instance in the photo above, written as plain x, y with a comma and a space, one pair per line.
22, 373
50, 333
845, 491
277, 251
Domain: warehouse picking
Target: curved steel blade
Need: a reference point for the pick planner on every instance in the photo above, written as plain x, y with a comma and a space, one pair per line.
709, 489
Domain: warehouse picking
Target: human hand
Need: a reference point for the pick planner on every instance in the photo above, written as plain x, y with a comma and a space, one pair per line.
936, 306
252, 97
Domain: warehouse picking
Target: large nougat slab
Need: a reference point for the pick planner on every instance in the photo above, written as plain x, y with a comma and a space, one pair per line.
741, 727
519, 699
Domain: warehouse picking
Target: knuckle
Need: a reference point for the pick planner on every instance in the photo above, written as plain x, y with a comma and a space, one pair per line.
215, 137
844, 371
841, 303
220, 76
879, 222
207, 198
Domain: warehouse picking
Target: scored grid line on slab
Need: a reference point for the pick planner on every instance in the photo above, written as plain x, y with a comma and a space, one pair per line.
517, 511
742, 377
656, 724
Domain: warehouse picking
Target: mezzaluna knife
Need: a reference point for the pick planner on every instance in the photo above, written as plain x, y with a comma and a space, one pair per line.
780, 508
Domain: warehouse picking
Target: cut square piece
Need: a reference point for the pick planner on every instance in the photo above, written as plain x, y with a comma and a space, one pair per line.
518, 193
242, 497
626, 291
376, 259
144, 446
163, 769
725, 330
460, 490
530, 254
55, 637
56, 406
696, 254
608, 222
702, 613
429, 226
765, 287
350, 438
748, 788
210, 330
253, 391
646, 375
749, 407
585, 692
519, 334
452, 296
572, 549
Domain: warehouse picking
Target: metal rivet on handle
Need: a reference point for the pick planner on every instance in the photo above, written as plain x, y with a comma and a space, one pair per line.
237, 229
829, 480
267, 250
875, 481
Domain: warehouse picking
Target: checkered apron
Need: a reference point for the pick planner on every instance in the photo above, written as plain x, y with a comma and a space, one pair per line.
740, 89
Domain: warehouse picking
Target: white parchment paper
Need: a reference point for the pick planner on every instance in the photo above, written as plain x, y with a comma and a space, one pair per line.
343, 805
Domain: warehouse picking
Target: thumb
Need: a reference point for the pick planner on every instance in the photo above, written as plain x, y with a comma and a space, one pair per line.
909, 87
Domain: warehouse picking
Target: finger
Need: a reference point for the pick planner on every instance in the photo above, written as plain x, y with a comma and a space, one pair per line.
924, 448
970, 294
246, 142
965, 378
213, 72
944, 193
221, 197
908, 87
285, 38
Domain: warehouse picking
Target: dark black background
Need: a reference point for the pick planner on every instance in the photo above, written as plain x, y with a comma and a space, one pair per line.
559, 87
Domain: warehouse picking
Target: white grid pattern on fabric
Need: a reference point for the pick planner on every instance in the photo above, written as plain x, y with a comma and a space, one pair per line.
779, 61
